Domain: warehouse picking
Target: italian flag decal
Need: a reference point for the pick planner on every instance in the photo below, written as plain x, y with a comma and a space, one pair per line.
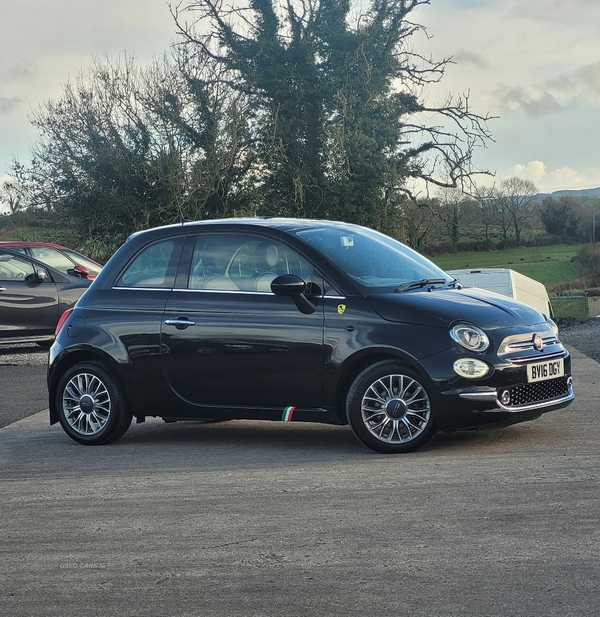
288, 412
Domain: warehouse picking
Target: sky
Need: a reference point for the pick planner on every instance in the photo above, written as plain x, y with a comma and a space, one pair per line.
533, 64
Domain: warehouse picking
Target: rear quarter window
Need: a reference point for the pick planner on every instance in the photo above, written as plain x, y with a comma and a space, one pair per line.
153, 266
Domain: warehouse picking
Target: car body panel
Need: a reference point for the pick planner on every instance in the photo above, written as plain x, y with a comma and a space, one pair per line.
38, 301
247, 360
486, 309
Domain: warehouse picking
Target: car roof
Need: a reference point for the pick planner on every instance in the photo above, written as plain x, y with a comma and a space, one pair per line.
25, 243
281, 223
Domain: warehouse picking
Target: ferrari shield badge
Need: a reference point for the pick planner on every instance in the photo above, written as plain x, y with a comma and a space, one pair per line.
341, 308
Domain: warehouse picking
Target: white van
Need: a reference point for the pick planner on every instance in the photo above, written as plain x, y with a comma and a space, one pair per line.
508, 283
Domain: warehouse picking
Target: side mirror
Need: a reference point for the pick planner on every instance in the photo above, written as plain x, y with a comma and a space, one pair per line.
294, 287
81, 271
40, 275
288, 285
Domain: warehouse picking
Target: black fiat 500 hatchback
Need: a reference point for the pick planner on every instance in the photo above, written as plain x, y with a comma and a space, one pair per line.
297, 320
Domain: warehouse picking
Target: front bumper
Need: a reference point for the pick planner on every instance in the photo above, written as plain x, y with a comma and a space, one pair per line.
523, 397
505, 397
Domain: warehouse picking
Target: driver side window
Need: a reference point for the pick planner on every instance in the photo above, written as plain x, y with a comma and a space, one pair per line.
242, 262
15, 269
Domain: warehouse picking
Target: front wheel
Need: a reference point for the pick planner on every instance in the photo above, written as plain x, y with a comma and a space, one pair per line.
90, 404
389, 409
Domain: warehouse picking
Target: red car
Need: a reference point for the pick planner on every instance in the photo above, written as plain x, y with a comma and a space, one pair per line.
60, 257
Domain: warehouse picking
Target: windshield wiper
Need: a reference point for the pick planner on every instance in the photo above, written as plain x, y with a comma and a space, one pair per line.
421, 283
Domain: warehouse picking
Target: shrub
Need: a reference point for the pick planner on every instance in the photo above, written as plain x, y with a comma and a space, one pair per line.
468, 246
567, 286
588, 259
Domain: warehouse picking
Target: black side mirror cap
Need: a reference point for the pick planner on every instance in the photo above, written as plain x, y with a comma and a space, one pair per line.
288, 285
294, 287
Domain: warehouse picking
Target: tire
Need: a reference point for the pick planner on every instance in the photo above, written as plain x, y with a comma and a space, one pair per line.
389, 409
90, 404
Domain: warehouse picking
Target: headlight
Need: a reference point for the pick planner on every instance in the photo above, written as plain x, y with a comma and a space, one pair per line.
471, 368
553, 325
470, 337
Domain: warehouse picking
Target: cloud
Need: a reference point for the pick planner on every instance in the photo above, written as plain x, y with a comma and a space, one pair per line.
20, 70
532, 101
588, 77
534, 171
567, 91
7, 105
556, 179
462, 56
561, 12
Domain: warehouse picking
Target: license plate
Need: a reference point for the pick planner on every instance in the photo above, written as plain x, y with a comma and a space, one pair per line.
545, 370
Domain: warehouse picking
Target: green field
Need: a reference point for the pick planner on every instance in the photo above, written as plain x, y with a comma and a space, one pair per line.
550, 265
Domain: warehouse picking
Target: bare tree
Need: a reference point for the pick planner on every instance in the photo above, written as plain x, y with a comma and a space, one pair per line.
487, 207
517, 198
452, 209
418, 223
12, 196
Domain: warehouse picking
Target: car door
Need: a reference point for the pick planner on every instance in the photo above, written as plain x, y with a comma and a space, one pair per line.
28, 301
228, 341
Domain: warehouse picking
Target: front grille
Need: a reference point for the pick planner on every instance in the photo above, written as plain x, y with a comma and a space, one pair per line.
528, 344
526, 394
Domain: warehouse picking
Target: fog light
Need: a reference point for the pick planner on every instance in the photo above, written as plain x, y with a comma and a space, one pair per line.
505, 397
569, 382
471, 368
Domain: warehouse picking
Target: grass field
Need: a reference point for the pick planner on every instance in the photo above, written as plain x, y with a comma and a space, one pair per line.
550, 265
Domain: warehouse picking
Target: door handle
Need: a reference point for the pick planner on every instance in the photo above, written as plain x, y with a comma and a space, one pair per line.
181, 323
2, 288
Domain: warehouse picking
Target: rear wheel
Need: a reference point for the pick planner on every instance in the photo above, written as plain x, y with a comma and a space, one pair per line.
90, 404
389, 409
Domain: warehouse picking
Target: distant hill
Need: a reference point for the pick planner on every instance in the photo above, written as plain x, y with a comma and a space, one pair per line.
585, 193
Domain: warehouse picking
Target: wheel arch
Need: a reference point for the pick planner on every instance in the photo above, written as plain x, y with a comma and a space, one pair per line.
357, 363
69, 360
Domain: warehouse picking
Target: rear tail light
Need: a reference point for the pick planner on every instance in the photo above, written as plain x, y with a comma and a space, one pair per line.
61, 321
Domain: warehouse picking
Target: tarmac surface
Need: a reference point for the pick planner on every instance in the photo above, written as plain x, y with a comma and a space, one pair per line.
261, 519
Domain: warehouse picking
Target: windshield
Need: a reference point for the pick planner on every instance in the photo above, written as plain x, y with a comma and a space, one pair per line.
372, 259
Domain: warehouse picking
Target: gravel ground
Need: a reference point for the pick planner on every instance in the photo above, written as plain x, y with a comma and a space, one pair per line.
584, 336
23, 355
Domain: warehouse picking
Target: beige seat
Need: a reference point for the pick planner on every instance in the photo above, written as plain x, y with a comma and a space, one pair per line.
263, 281
216, 282
267, 263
